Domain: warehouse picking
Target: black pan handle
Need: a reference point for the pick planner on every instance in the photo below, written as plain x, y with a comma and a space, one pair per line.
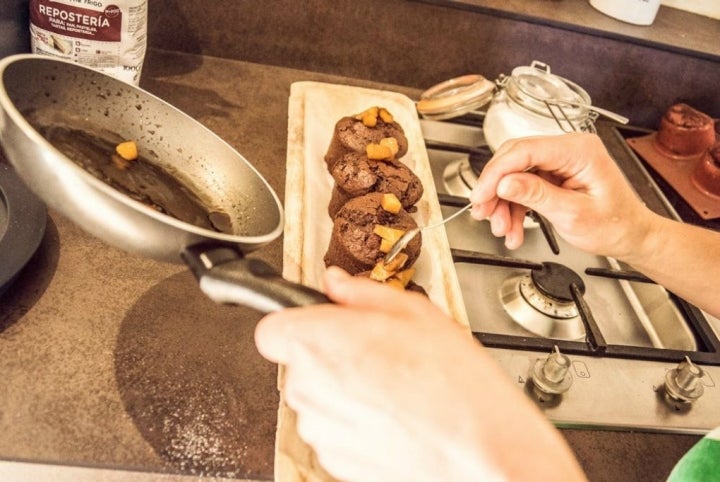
225, 276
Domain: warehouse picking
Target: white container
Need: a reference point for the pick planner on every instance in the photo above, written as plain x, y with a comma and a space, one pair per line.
534, 102
638, 12
529, 102
107, 35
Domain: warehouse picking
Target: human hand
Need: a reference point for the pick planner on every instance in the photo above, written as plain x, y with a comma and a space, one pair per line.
573, 182
387, 387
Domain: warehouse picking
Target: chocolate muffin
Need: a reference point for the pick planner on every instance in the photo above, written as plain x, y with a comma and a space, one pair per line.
352, 134
356, 175
353, 244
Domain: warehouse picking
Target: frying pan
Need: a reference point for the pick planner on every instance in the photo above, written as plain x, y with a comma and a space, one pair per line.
54, 92
22, 225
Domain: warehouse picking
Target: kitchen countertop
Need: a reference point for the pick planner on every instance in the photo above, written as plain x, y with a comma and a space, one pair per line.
109, 361
673, 29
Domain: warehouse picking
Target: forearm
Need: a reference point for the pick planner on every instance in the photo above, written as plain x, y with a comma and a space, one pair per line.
683, 258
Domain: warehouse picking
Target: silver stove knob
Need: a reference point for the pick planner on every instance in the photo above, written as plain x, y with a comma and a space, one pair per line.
551, 376
684, 384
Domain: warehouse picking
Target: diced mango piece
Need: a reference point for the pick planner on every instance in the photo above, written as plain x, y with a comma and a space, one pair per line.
385, 115
368, 117
369, 120
388, 233
385, 246
127, 150
380, 272
378, 152
396, 264
405, 276
391, 143
391, 203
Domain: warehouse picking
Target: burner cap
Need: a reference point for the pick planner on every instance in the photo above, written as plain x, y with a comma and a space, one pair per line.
459, 178
554, 281
479, 156
538, 313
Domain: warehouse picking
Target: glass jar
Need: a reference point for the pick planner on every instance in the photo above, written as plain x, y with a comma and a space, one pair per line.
534, 102
529, 102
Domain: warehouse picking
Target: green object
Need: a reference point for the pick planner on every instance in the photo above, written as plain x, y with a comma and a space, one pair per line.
701, 463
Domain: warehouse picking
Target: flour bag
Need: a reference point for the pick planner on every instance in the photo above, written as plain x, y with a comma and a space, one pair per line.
107, 36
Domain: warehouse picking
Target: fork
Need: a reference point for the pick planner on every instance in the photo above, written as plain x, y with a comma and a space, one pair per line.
403, 241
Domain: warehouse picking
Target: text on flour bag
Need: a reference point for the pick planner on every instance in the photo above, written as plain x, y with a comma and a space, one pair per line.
107, 36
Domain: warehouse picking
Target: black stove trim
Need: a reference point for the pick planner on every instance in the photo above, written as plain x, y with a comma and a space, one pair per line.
595, 343
496, 340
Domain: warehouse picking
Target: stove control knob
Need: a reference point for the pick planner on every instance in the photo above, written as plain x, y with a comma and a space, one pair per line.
684, 384
551, 376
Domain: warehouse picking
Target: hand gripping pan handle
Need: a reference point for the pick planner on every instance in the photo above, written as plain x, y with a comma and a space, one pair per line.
225, 276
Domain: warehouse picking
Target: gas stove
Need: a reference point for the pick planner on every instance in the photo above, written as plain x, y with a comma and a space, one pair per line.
594, 343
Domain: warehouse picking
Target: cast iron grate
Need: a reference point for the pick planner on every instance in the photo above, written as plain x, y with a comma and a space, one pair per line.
594, 344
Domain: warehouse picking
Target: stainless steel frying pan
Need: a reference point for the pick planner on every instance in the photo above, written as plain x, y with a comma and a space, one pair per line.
51, 92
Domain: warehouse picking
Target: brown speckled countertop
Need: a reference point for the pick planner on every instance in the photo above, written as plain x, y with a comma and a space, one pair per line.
111, 361
672, 29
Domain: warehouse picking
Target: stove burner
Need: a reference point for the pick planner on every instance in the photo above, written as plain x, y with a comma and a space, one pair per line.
554, 280
459, 177
478, 158
542, 303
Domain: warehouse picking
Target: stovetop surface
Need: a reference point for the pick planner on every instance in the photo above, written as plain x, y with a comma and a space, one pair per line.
644, 331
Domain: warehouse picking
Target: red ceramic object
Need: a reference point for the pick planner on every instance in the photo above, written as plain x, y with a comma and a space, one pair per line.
706, 175
685, 132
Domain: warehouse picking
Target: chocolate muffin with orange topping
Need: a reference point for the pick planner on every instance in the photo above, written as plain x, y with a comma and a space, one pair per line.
364, 229
354, 133
355, 175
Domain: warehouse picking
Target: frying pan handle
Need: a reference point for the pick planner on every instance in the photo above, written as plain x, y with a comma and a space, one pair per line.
225, 276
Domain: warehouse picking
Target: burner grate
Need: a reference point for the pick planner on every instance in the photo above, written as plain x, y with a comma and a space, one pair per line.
594, 343
708, 349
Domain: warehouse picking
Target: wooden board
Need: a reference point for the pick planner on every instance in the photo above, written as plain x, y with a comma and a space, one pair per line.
313, 110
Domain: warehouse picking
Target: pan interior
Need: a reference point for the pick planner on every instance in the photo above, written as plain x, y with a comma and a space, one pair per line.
84, 114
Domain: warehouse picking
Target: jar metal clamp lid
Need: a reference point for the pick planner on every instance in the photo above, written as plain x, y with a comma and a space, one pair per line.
455, 97
531, 87
534, 88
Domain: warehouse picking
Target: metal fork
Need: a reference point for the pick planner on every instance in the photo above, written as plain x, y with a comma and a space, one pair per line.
400, 244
